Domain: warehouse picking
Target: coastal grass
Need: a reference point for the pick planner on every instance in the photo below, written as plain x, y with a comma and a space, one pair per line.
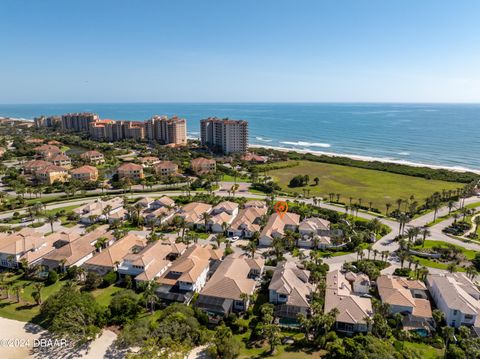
373, 186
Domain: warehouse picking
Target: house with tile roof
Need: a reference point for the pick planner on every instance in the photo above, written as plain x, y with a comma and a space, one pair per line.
352, 307
79, 250
457, 297
315, 232
84, 173
47, 151
166, 168
188, 274
193, 212
52, 174
409, 298
152, 261
96, 211
202, 165
247, 222
93, 157
276, 227
235, 278
222, 216
32, 167
131, 171
61, 160
290, 290
26, 244
109, 258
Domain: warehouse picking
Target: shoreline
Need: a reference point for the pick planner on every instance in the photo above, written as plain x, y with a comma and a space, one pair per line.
459, 169
368, 158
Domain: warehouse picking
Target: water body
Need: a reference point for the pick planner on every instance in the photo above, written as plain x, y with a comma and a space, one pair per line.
432, 134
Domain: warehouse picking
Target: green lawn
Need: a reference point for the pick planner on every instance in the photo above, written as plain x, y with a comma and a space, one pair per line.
228, 178
468, 253
56, 210
373, 186
432, 264
427, 351
26, 310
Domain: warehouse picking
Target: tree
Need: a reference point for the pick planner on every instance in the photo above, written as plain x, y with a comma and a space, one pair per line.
51, 218
124, 307
251, 247
37, 293
225, 345
52, 277
150, 296
92, 281
448, 333
316, 180
72, 314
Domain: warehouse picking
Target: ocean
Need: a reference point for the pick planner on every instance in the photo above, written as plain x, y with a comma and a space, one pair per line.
444, 135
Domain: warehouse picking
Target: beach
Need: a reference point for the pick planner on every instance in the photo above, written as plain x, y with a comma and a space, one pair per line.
20, 340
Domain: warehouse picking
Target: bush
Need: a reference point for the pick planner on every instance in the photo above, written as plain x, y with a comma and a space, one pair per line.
92, 281
52, 277
124, 307
109, 278
403, 272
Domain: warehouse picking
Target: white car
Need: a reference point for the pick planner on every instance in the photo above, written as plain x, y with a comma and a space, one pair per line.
234, 239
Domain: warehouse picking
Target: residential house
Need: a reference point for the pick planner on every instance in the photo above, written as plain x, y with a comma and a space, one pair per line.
109, 258
131, 171
202, 165
52, 174
192, 213
247, 222
253, 157
85, 173
61, 160
32, 167
277, 225
290, 290
255, 203
359, 281
93, 157
407, 297
457, 297
151, 262
188, 274
79, 250
25, 245
47, 151
148, 161
231, 286
352, 307
99, 210
222, 216
166, 168
315, 232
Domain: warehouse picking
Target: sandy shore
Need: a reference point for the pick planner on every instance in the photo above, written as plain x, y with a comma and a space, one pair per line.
368, 159
20, 340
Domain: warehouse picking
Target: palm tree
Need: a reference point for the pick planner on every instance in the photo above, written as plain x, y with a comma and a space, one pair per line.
37, 293
388, 205
448, 333
51, 218
251, 247
425, 233
451, 267
375, 253
476, 221
150, 296
206, 217
369, 248
471, 271
399, 203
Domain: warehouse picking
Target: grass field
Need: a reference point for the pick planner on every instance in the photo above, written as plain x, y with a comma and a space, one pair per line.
371, 186
468, 253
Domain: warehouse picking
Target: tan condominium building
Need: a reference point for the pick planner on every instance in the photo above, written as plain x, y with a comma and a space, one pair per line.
224, 135
130, 170
51, 174
167, 130
85, 173
50, 121
166, 168
93, 157
78, 122
203, 165
97, 129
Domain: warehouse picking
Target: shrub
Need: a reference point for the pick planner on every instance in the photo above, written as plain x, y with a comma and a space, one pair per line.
52, 277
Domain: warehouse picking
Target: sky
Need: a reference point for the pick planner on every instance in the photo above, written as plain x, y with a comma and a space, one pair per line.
239, 51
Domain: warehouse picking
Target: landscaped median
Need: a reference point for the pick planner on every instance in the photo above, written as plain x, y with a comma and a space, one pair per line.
442, 255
